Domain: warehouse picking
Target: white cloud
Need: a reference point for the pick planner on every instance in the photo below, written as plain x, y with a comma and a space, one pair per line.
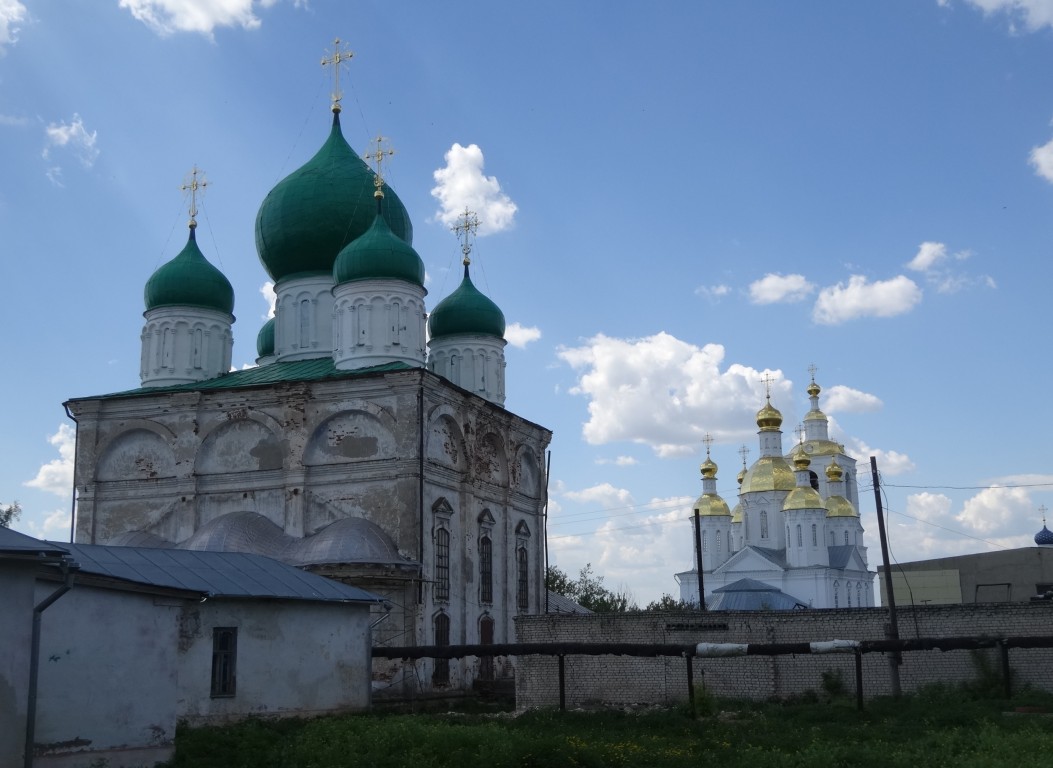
929, 254
620, 461
665, 393
883, 298
57, 475
994, 508
1042, 160
713, 291
773, 289
166, 17
55, 527
1035, 13
269, 296
461, 185
11, 119
604, 495
12, 13
842, 399
889, 462
73, 138
520, 335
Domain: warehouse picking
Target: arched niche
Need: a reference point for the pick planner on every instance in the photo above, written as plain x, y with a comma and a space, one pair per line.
353, 435
445, 442
526, 471
136, 454
490, 461
242, 445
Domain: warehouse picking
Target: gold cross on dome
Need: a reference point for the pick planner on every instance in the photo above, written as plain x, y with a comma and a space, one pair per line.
377, 156
800, 432
768, 380
334, 61
744, 452
466, 226
1043, 510
708, 440
813, 370
192, 184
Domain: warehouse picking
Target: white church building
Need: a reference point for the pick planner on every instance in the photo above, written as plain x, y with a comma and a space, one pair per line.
360, 447
794, 540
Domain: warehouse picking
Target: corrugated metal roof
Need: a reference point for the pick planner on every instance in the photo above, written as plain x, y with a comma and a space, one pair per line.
300, 370
15, 543
212, 574
840, 554
753, 595
558, 603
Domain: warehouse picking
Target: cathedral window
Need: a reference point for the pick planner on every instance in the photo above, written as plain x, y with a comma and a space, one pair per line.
396, 321
846, 537
224, 661
441, 673
813, 480
705, 541
859, 593
486, 570
815, 536
718, 540
167, 342
305, 324
486, 637
764, 524
729, 541
442, 564
800, 541
196, 343
837, 594
848, 593
522, 579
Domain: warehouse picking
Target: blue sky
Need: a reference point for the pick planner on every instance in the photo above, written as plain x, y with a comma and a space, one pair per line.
676, 198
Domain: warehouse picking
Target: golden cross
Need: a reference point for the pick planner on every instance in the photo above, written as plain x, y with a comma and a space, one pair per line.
1043, 510
744, 452
378, 156
468, 227
334, 61
812, 370
800, 432
767, 379
192, 184
708, 440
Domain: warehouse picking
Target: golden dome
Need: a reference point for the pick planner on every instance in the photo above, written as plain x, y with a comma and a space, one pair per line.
803, 497
741, 475
709, 468
834, 473
736, 514
815, 415
768, 418
800, 457
839, 506
711, 505
769, 473
823, 447
814, 389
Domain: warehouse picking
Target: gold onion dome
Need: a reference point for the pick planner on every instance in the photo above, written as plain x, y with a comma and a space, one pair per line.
814, 389
711, 505
741, 476
768, 418
839, 506
800, 457
834, 473
736, 514
769, 473
803, 497
709, 469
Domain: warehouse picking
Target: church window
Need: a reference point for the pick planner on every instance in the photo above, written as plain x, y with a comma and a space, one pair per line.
442, 564
815, 536
705, 541
196, 343
486, 637
831, 538
441, 673
305, 324
848, 593
846, 537
718, 540
167, 342
800, 542
764, 524
396, 321
224, 661
486, 570
729, 541
837, 594
522, 579
859, 593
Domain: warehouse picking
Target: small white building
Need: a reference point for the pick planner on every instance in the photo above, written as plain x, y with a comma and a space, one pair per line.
795, 529
146, 637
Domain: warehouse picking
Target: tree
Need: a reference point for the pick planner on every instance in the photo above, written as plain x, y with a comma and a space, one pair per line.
669, 603
588, 591
9, 514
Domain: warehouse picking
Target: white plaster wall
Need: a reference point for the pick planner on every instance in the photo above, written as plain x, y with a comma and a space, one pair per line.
16, 623
184, 344
376, 322
303, 318
293, 658
472, 362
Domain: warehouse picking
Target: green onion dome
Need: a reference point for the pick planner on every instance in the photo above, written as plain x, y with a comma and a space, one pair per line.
265, 340
379, 254
466, 310
189, 280
308, 218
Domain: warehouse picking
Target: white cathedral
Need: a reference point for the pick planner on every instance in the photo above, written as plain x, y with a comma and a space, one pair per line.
358, 447
794, 540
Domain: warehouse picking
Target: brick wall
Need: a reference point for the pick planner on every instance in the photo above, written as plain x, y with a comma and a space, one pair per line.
620, 680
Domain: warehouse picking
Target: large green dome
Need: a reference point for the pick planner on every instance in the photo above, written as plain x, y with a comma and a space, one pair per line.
308, 218
466, 310
379, 254
265, 339
189, 280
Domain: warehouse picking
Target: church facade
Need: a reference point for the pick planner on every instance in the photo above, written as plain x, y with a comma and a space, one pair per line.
794, 540
360, 446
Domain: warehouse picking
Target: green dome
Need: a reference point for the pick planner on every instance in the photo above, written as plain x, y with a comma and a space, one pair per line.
308, 218
189, 280
379, 254
265, 340
466, 310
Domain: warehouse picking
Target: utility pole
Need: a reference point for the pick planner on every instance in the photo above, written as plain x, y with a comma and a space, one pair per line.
698, 562
893, 626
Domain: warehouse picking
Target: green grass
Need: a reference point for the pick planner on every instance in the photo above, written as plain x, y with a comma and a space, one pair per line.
941, 727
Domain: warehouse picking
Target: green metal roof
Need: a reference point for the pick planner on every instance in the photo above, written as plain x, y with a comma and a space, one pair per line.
265, 339
262, 375
379, 254
189, 280
466, 310
308, 218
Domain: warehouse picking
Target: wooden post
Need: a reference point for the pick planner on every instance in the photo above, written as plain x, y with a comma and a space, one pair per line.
859, 679
562, 685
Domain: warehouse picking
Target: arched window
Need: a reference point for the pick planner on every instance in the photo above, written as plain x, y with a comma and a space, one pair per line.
705, 541
815, 536
442, 564
813, 480
837, 594
486, 570
486, 637
800, 541
718, 540
305, 324
859, 594
846, 537
522, 579
848, 593
441, 672
764, 524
